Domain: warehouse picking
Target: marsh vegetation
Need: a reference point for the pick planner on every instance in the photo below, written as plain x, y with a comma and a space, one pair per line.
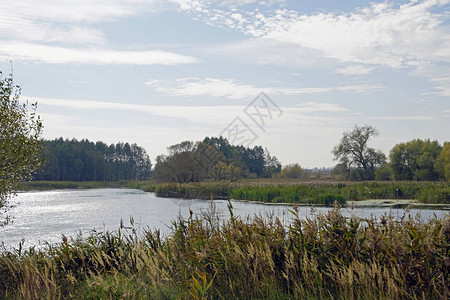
327, 257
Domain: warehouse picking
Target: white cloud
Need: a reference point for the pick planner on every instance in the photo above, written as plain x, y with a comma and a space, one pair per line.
27, 27
74, 11
405, 118
380, 34
67, 22
98, 56
231, 89
14, 27
212, 115
209, 86
443, 85
270, 52
315, 106
203, 114
354, 70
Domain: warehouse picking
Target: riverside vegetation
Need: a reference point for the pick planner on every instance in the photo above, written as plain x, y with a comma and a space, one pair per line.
276, 190
323, 257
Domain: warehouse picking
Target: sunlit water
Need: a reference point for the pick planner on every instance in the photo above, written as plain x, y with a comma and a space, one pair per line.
39, 217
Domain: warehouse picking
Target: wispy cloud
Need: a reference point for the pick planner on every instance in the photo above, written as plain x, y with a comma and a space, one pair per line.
212, 115
380, 34
405, 118
28, 27
354, 70
230, 88
97, 56
315, 106
18, 28
443, 86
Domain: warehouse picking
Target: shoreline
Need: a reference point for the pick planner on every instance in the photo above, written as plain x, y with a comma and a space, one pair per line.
373, 203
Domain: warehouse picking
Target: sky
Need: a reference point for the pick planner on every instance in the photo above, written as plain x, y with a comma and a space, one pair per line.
291, 76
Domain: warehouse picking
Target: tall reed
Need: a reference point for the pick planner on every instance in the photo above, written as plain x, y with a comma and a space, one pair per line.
327, 256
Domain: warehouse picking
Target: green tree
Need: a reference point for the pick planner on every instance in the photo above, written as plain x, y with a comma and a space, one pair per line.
354, 153
291, 171
187, 161
20, 143
442, 164
415, 160
252, 162
384, 172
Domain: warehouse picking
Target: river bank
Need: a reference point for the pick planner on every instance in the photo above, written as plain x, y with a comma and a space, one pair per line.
373, 193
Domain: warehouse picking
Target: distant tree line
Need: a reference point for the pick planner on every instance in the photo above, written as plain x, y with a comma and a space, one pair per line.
423, 160
73, 160
215, 159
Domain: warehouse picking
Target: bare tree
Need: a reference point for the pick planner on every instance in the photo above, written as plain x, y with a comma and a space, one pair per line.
354, 153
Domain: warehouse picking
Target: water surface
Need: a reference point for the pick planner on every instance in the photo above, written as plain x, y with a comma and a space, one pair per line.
40, 217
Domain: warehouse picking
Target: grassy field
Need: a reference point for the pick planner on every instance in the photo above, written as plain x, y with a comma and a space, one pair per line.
320, 192
326, 257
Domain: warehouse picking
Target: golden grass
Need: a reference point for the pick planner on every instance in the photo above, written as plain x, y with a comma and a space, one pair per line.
326, 257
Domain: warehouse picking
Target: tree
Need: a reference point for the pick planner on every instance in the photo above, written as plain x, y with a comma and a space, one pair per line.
272, 165
442, 164
186, 162
354, 153
291, 171
87, 161
384, 172
20, 144
415, 160
252, 162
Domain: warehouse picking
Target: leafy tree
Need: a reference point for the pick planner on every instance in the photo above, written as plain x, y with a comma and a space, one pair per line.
291, 171
415, 160
187, 161
271, 164
253, 162
442, 164
354, 153
20, 144
384, 172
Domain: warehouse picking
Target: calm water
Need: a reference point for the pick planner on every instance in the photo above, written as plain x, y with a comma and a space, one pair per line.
45, 216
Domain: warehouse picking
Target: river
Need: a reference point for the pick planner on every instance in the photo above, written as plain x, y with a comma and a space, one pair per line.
40, 217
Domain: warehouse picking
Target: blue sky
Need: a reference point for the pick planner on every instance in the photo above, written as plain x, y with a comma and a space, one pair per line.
156, 73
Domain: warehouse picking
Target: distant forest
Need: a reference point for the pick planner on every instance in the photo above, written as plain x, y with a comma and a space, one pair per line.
215, 159
73, 160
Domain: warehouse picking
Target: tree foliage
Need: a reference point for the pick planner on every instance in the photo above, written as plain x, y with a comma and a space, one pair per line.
442, 164
20, 144
415, 160
254, 162
291, 171
356, 156
186, 162
214, 158
73, 160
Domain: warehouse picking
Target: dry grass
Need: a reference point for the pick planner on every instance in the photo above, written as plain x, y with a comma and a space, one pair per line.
327, 257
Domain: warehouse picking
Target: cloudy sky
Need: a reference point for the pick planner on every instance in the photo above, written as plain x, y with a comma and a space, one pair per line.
159, 72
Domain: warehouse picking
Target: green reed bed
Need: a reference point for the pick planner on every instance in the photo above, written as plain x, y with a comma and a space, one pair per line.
310, 193
324, 257
272, 191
